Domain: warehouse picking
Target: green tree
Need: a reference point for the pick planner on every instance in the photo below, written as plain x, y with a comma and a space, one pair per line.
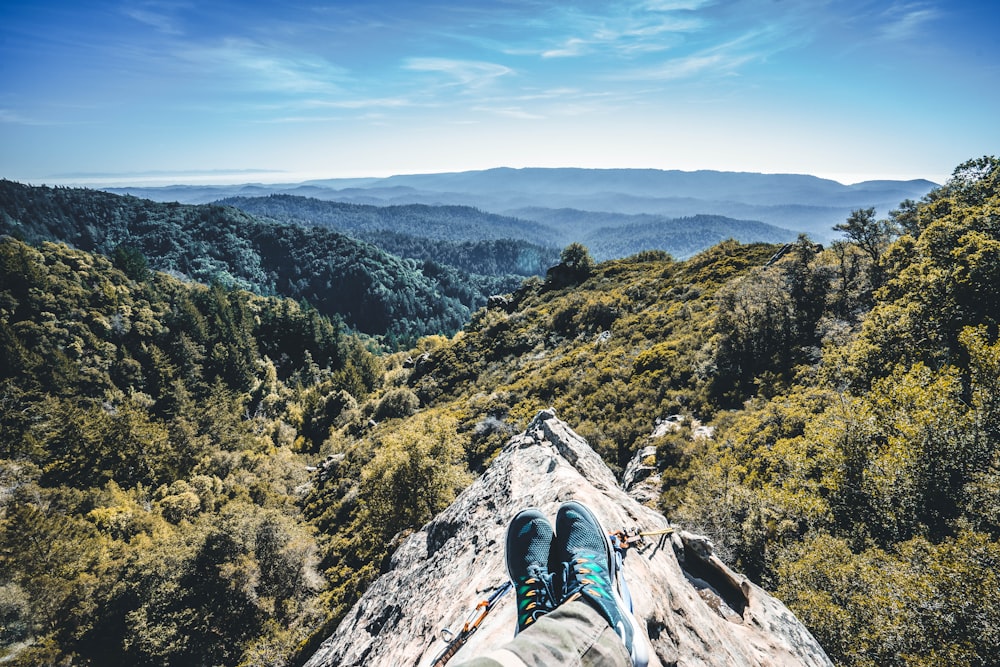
130, 261
576, 257
871, 235
412, 476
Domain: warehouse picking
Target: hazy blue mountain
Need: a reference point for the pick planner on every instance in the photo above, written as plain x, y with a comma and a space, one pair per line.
681, 237
446, 223
451, 233
792, 201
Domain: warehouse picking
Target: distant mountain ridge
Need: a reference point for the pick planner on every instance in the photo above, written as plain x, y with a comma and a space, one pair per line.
746, 187
446, 223
615, 235
798, 202
404, 229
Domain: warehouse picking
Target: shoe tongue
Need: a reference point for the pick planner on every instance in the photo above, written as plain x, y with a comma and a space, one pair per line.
538, 571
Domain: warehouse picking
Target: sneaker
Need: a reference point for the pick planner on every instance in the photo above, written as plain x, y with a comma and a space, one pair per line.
583, 554
529, 536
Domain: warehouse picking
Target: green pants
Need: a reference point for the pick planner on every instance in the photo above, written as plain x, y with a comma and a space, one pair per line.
574, 634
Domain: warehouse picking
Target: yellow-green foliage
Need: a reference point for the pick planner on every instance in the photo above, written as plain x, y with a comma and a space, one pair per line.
149, 512
413, 475
866, 493
921, 603
157, 433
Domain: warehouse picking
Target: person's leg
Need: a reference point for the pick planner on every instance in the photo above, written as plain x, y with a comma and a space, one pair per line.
574, 635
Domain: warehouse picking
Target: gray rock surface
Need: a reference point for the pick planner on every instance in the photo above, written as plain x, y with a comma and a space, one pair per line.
640, 479
694, 609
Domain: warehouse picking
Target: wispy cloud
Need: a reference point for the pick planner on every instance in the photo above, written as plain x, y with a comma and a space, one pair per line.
574, 46
11, 117
510, 112
694, 65
550, 94
257, 66
674, 5
295, 120
553, 103
721, 59
649, 28
906, 21
158, 15
361, 103
468, 73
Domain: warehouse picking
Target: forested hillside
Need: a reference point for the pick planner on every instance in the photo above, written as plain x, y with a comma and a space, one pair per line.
443, 223
459, 236
680, 237
369, 289
466, 237
152, 452
156, 509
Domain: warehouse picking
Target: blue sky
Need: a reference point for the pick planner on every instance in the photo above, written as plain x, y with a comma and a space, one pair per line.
193, 91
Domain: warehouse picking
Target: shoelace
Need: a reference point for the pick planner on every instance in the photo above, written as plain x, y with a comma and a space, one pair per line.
539, 596
576, 576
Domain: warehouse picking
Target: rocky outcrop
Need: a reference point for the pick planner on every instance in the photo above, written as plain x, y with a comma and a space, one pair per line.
640, 479
694, 609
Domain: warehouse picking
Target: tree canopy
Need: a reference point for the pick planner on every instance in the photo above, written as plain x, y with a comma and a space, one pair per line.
198, 473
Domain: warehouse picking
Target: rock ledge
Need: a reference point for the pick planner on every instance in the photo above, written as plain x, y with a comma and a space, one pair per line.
696, 611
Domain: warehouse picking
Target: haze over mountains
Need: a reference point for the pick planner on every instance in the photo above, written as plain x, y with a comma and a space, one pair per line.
795, 202
406, 229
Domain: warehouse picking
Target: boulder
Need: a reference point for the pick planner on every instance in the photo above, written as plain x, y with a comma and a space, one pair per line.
499, 302
694, 609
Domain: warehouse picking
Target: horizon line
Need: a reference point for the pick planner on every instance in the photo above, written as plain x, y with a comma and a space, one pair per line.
277, 177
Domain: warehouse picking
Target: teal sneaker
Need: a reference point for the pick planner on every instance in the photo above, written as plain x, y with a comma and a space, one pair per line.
582, 552
529, 537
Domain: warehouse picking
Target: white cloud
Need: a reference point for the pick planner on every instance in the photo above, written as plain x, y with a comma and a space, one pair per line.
11, 117
158, 15
361, 103
689, 66
574, 46
905, 21
723, 59
469, 73
548, 94
674, 5
257, 66
642, 30
510, 112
